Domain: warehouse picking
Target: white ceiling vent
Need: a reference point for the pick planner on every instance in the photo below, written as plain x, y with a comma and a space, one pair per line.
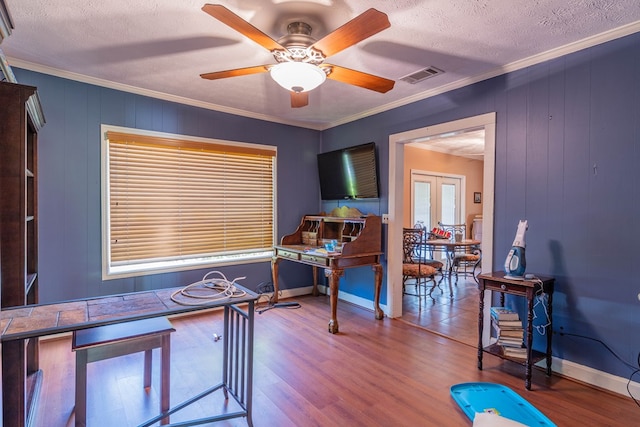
421, 75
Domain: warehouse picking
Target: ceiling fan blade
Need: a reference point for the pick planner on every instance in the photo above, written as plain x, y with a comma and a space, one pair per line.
229, 18
359, 28
358, 78
299, 99
234, 73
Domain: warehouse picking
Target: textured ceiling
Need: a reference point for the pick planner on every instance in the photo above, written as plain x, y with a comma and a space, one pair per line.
465, 144
160, 47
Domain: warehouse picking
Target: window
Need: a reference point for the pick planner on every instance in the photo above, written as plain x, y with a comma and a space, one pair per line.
172, 202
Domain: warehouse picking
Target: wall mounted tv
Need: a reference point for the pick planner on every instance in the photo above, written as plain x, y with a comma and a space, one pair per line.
349, 173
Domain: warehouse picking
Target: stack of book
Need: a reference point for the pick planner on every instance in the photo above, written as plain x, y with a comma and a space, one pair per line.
509, 332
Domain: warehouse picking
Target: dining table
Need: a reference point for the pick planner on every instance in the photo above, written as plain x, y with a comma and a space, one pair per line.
450, 247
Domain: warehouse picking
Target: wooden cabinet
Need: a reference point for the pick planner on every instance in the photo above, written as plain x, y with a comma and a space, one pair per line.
359, 241
20, 120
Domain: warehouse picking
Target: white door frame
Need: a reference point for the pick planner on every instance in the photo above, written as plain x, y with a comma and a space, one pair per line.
396, 199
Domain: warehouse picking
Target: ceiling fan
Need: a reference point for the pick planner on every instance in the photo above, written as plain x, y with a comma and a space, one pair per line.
300, 58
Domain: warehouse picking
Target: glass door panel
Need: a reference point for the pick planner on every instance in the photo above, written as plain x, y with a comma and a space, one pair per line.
435, 199
423, 208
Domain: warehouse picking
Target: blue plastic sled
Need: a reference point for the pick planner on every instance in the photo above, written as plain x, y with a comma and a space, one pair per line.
498, 399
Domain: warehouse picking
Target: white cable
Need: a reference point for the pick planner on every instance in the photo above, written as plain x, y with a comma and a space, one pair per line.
540, 299
222, 288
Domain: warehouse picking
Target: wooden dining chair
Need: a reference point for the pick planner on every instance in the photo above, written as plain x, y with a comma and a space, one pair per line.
465, 260
415, 266
427, 252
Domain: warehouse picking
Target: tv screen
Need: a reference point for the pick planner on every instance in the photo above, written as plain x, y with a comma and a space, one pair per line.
349, 173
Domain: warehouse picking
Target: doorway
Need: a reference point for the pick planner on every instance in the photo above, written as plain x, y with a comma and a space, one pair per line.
396, 200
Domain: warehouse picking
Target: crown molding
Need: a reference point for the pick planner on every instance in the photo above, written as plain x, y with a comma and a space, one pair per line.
5, 69
18, 63
6, 23
588, 42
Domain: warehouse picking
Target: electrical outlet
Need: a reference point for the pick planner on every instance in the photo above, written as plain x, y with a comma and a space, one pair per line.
385, 220
264, 288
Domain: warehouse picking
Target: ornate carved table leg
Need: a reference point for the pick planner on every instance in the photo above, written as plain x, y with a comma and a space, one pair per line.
315, 281
334, 282
377, 269
274, 277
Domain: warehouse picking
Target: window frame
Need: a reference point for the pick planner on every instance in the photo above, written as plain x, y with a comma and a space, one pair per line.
110, 272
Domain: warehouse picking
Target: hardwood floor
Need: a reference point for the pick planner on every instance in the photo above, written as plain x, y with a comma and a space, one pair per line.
454, 316
373, 373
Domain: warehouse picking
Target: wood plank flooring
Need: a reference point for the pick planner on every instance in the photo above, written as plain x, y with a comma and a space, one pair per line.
451, 316
373, 373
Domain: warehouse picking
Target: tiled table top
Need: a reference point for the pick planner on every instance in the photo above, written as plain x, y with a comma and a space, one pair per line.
46, 319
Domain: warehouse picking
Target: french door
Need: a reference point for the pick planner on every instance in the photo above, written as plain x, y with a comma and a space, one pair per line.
436, 198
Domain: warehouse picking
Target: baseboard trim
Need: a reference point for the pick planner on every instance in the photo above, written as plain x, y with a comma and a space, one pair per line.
593, 377
342, 296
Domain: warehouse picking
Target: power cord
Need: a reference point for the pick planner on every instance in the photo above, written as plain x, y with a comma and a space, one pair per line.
288, 304
208, 290
541, 298
636, 369
265, 289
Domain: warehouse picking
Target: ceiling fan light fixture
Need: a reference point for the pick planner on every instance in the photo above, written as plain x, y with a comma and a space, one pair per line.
298, 76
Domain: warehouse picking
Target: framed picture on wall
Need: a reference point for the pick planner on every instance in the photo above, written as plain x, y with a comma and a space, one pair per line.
477, 197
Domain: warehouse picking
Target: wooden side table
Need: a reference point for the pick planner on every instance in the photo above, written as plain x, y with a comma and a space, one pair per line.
496, 281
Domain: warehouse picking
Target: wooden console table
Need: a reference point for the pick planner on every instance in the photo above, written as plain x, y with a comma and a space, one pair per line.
497, 281
359, 239
20, 324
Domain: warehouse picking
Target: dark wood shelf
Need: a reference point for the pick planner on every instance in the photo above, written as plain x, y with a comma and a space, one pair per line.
20, 120
497, 350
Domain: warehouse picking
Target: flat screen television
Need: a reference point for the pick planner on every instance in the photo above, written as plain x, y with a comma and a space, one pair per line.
349, 173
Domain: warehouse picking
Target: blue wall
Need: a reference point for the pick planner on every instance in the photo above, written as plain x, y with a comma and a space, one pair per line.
566, 160
69, 182
567, 156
